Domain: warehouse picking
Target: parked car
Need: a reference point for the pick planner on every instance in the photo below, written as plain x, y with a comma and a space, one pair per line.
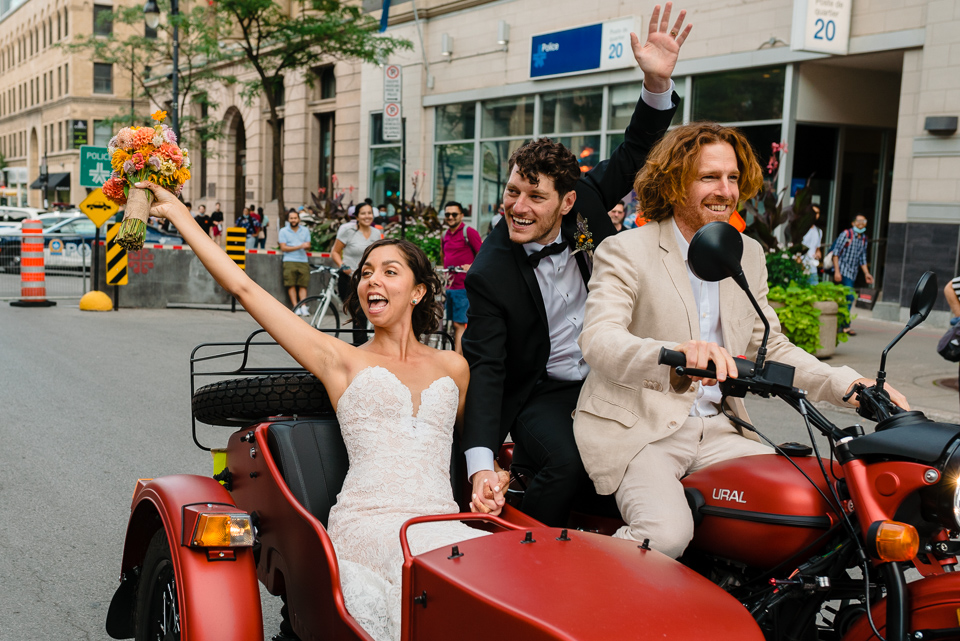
68, 243
17, 214
49, 220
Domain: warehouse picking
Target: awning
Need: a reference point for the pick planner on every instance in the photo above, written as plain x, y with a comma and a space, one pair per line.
54, 181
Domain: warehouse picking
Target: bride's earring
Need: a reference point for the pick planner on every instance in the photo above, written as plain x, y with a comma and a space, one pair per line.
414, 301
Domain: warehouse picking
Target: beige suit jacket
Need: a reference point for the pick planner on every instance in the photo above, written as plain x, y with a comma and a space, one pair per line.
641, 300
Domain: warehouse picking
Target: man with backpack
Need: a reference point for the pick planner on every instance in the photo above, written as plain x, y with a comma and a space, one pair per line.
458, 248
849, 255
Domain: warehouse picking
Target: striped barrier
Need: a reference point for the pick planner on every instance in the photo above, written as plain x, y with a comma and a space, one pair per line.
236, 246
116, 258
33, 279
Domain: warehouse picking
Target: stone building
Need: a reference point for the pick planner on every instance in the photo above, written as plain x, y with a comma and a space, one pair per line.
866, 98
52, 101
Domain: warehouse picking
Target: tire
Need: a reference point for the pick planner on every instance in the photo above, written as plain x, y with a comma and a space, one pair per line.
158, 608
312, 304
248, 400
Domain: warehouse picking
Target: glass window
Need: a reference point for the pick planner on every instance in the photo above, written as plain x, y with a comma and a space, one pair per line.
508, 117
739, 96
102, 20
384, 173
572, 111
585, 148
101, 133
623, 100
376, 131
454, 171
456, 122
102, 77
494, 159
328, 83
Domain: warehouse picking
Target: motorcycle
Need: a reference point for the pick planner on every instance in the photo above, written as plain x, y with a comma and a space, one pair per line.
779, 540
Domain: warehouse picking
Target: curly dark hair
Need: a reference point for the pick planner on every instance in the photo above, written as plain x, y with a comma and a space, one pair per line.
544, 157
428, 312
672, 165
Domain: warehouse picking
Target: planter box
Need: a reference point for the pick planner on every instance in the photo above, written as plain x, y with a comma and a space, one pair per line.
828, 326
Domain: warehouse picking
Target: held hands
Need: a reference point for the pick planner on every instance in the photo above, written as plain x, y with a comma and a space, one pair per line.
700, 353
657, 57
488, 489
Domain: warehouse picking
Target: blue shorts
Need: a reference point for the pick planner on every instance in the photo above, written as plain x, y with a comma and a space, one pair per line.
457, 305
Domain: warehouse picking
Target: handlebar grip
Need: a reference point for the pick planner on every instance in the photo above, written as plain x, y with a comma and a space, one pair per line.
674, 358
671, 357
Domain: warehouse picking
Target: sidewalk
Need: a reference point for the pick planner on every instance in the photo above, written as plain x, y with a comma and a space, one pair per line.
913, 365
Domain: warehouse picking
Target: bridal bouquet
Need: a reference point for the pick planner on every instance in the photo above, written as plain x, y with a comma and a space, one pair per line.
137, 154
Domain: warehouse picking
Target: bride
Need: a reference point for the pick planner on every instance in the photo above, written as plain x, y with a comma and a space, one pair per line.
397, 402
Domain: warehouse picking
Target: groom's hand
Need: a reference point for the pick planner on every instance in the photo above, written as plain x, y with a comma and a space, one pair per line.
487, 493
657, 57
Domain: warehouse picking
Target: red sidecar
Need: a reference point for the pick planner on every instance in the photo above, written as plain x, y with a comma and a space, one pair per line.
195, 549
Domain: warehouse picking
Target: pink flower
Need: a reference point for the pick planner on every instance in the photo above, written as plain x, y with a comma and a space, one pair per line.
772, 165
125, 139
172, 152
113, 189
138, 160
170, 135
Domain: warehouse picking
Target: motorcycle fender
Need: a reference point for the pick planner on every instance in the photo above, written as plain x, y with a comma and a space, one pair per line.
934, 604
219, 599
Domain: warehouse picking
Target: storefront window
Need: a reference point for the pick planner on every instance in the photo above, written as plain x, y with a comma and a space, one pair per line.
509, 117
739, 96
454, 174
456, 122
384, 165
585, 148
572, 111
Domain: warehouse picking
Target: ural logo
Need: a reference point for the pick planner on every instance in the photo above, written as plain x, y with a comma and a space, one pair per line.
728, 495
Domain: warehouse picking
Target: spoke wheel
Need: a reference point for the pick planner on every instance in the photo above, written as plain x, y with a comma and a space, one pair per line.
313, 304
158, 608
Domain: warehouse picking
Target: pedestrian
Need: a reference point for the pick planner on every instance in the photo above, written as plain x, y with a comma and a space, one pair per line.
951, 292
353, 238
458, 248
849, 255
246, 221
811, 240
294, 242
496, 219
216, 224
261, 242
202, 219
617, 214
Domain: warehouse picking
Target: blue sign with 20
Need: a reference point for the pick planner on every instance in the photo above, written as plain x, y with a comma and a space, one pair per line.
567, 51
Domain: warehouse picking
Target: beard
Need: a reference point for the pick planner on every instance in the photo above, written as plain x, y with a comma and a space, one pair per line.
540, 229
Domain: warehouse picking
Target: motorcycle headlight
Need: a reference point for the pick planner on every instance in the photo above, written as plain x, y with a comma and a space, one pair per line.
941, 502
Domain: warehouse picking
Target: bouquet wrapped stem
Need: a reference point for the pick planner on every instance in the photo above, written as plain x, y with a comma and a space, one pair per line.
133, 229
138, 154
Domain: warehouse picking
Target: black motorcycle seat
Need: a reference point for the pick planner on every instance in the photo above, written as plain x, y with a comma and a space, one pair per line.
313, 461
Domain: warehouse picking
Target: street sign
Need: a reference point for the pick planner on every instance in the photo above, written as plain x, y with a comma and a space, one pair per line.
78, 129
392, 122
95, 166
821, 25
116, 258
392, 84
98, 207
596, 47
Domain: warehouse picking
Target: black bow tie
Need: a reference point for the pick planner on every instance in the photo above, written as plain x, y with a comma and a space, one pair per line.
549, 250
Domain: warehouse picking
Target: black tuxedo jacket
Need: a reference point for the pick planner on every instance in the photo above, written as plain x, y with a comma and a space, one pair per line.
507, 341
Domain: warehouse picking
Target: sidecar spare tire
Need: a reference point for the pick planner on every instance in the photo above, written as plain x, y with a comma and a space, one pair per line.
247, 400
158, 608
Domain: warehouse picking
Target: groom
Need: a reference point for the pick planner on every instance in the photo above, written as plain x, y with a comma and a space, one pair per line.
527, 290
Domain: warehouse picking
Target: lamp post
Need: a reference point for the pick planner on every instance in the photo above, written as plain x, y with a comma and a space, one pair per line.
44, 179
151, 16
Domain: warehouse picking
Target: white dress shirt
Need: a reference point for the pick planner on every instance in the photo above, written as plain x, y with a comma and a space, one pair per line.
564, 300
707, 296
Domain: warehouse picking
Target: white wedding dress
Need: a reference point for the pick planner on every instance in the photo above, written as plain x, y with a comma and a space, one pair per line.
399, 469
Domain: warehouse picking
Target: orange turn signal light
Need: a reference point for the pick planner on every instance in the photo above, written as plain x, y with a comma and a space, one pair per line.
221, 530
896, 541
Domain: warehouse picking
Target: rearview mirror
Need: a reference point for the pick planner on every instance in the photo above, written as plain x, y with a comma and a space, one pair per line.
715, 253
924, 296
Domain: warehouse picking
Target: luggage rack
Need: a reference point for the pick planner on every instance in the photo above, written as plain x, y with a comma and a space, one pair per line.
243, 349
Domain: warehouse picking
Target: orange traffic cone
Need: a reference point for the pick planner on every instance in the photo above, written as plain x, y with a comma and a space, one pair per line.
33, 280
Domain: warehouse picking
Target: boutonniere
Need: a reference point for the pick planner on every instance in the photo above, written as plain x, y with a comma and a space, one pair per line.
582, 239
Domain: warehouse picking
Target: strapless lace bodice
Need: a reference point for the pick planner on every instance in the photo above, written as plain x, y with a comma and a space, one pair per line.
399, 469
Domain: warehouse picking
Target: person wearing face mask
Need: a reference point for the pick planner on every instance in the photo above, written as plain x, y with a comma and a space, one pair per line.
849, 255
352, 239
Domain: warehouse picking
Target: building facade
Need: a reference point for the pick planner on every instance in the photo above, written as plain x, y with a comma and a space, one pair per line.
848, 89
53, 101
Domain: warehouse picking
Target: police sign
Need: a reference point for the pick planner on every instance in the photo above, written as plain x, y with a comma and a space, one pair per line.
596, 47
95, 166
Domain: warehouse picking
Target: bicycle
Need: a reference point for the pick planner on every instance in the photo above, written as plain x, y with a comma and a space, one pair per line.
318, 306
443, 338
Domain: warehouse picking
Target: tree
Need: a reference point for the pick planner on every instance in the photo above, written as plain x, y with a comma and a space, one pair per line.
273, 42
149, 60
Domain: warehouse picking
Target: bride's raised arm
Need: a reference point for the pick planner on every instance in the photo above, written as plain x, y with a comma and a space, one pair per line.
322, 355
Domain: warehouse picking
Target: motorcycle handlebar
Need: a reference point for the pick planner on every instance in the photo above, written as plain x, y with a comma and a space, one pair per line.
673, 358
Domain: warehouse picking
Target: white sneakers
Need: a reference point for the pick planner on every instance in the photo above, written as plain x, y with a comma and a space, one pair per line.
303, 311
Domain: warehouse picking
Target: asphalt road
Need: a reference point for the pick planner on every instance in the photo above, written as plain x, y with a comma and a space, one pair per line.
89, 403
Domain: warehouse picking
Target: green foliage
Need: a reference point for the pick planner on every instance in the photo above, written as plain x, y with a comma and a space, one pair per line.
150, 60
800, 320
420, 235
784, 268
